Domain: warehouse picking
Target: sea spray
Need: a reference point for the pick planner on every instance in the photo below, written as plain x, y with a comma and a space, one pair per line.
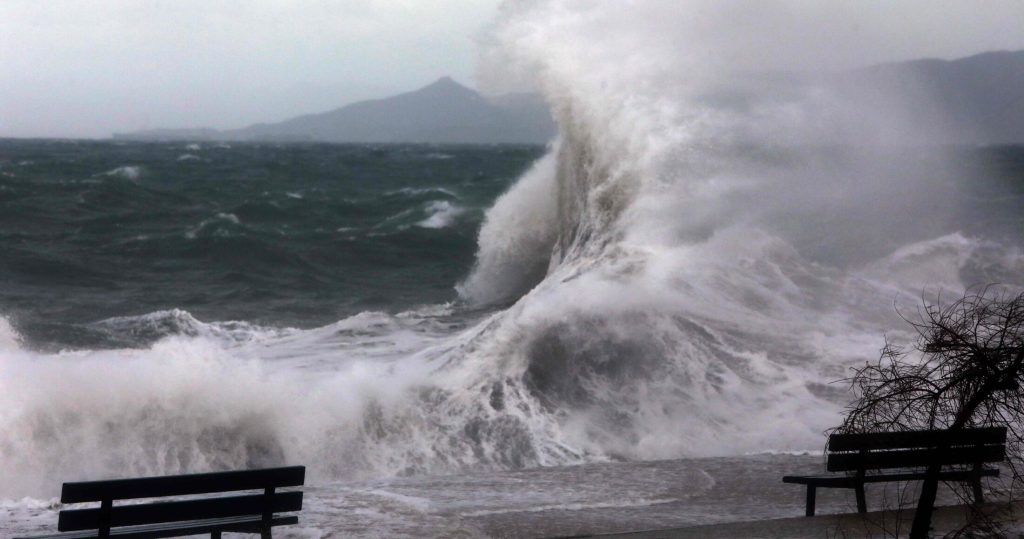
200, 402
9, 338
373, 395
705, 283
686, 272
517, 238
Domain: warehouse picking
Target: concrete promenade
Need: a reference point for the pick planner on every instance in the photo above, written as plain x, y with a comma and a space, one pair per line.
840, 526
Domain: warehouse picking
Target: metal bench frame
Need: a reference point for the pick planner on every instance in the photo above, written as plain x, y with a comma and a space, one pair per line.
880, 457
246, 513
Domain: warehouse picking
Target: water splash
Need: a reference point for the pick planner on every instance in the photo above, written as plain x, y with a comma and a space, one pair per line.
664, 279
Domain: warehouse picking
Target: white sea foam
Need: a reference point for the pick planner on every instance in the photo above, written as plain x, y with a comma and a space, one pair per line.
188, 157
677, 314
9, 338
618, 504
419, 504
659, 306
216, 396
948, 264
181, 323
193, 233
442, 214
128, 172
517, 237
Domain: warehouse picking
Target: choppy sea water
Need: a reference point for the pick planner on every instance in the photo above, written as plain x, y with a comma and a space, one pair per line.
268, 304
637, 326
110, 244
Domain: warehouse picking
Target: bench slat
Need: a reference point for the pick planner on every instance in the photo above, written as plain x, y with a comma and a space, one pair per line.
850, 481
916, 439
914, 458
182, 485
195, 527
160, 512
907, 455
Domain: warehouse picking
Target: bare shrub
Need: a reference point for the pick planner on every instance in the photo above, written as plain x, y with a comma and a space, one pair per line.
964, 370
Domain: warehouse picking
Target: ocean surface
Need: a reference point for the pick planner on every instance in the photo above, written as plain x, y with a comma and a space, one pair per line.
109, 245
173, 307
640, 325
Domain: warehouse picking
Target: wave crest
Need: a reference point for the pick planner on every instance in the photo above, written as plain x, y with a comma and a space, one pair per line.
517, 238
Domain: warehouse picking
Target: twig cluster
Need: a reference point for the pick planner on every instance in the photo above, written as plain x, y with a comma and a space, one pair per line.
967, 373
965, 370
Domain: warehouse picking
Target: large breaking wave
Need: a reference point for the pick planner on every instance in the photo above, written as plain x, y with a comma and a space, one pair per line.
700, 254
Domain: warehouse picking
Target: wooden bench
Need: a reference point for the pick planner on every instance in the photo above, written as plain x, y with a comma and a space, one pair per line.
246, 513
880, 457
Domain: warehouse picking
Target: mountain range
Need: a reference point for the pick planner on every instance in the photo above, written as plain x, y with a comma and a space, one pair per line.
444, 112
977, 100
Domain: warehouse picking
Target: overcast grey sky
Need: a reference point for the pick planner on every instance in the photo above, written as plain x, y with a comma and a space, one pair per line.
87, 68
90, 67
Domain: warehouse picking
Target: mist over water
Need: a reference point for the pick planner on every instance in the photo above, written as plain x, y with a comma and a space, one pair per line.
726, 242
684, 273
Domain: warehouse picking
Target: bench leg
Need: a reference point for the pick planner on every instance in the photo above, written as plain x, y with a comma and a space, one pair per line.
266, 533
811, 491
979, 498
862, 504
215, 535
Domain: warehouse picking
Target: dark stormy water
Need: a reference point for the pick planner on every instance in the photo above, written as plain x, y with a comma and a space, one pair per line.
299, 235
280, 235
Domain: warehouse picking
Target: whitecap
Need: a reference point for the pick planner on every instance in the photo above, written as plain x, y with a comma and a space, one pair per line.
193, 233
128, 172
442, 214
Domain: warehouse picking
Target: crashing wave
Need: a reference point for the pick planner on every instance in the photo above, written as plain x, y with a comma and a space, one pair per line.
662, 293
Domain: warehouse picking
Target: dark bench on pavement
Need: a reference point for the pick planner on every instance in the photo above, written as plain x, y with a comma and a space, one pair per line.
245, 513
880, 457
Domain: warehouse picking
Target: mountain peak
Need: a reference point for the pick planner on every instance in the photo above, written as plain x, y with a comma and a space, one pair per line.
446, 81
448, 86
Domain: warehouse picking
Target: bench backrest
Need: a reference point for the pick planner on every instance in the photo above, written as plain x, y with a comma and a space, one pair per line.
106, 516
913, 449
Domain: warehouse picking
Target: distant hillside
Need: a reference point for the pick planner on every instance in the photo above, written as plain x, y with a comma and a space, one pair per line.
974, 100
443, 112
978, 99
